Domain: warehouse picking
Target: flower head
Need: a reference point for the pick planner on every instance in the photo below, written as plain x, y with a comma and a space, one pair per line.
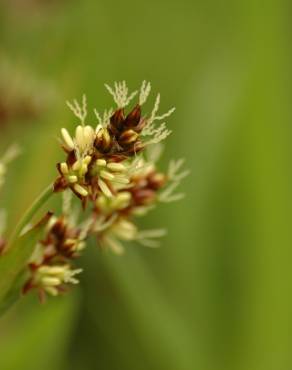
52, 279
112, 168
50, 265
98, 158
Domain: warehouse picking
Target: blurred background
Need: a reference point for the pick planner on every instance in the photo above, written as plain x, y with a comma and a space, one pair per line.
217, 294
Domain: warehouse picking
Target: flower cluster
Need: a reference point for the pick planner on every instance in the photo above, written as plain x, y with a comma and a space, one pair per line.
100, 158
112, 168
20, 100
50, 266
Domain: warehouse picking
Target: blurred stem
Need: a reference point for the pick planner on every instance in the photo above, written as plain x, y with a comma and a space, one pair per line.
30, 212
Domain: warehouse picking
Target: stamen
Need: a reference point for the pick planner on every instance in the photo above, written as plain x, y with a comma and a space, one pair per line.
121, 180
77, 165
101, 162
51, 281
72, 179
104, 188
69, 144
87, 159
80, 190
107, 175
116, 167
64, 168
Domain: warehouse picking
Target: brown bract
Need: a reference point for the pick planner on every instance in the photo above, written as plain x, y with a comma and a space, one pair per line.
59, 247
115, 143
122, 136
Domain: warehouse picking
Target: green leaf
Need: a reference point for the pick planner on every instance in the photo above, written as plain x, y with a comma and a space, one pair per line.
14, 262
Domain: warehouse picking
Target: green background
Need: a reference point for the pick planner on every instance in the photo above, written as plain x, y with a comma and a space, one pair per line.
217, 294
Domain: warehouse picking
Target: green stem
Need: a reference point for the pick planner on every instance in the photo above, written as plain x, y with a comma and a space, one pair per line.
30, 212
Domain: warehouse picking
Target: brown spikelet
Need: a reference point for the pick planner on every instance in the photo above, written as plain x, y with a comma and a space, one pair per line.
133, 118
128, 137
103, 141
117, 120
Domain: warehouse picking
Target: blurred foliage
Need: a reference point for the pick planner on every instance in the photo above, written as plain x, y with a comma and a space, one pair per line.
217, 294
19, 91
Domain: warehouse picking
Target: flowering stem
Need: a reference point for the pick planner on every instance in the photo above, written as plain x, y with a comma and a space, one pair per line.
30, 212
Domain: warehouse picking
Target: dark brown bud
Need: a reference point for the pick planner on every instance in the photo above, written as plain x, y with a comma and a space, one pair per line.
117, 119
128, 137
103, 141
133, 118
